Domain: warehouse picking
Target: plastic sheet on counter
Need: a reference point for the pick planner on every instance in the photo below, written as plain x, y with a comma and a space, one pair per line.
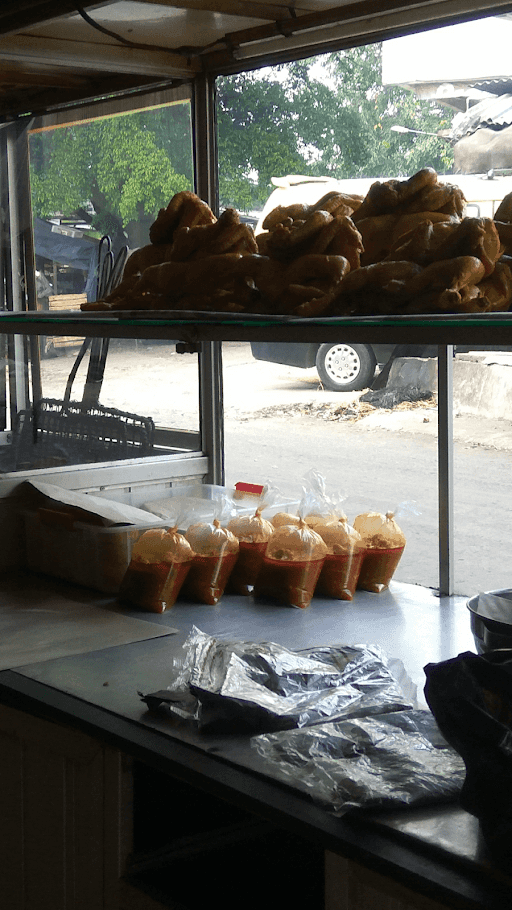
240, 686
48, 626
386, 761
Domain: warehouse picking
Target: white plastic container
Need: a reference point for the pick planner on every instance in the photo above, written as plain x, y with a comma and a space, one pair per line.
184, 505
84, 554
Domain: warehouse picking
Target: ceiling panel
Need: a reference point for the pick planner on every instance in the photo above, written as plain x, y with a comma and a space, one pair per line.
51, 55
146, 23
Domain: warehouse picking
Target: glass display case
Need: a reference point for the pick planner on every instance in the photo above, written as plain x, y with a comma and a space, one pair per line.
79, 761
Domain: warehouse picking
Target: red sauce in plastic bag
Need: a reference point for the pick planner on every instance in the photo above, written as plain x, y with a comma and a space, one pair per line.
208, 577
379, 566
247, 566
291, 582
340, 574
153, 586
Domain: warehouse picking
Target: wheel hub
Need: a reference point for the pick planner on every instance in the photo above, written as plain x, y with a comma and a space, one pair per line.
342, 363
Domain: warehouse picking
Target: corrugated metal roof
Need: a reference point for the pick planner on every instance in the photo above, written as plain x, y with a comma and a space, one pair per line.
493, 112
498, 86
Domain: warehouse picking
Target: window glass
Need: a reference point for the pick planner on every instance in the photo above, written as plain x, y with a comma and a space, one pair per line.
287, 136
96, 187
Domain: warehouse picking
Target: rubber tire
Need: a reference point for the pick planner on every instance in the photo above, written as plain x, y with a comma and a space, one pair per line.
357, 373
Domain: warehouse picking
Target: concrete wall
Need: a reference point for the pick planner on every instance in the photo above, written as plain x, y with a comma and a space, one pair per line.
482, 381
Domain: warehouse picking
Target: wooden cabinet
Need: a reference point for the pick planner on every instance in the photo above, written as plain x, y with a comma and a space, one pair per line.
66, 826
85, 828
350, 886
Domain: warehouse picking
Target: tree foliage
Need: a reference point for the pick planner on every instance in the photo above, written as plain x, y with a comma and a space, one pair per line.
125, 167
328, 116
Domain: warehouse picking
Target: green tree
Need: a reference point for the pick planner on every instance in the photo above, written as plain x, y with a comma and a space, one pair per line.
257, 128
116, 172
357, 75
325, 116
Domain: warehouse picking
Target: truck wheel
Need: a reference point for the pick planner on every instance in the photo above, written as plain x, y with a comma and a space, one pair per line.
345, 367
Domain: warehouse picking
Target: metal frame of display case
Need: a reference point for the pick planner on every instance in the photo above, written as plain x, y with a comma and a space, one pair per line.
442, 331
423, 867
22, 350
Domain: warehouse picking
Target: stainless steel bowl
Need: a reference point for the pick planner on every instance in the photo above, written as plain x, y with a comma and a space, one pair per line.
489, 634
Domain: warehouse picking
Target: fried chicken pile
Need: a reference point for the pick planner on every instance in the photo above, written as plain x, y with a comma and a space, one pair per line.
404, 248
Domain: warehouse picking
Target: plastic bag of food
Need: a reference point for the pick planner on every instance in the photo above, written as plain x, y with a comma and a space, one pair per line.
315, 506
253, 533
159, 565
291, 566
342, 564
384, 543
215, 554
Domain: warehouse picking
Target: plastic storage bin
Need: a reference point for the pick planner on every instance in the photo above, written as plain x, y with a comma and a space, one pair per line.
186, 504
84, 554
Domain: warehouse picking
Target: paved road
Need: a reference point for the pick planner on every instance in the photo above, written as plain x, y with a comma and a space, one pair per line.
387, 460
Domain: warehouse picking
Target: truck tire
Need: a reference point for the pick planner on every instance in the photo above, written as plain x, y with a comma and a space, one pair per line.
345, 367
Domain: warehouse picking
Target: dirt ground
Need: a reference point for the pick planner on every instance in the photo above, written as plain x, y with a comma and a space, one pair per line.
151, 379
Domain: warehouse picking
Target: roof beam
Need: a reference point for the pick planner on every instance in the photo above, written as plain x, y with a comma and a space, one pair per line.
345, 25
244, 8
98, 58
13, 104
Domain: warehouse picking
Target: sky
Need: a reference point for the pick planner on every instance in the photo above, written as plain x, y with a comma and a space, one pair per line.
470, 51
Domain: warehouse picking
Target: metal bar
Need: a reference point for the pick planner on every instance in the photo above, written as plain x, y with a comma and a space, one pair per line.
445, 467
27, 252
4, 280
480, 331
188, 440
211, 406
19, 372
204, 126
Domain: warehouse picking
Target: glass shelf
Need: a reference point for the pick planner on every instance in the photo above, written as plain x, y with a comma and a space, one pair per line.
479, 329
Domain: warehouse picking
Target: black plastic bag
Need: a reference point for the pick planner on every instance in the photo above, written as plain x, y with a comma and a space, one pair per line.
470, 697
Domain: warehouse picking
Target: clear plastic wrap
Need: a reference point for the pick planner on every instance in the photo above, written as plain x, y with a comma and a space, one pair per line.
253, 686
161, 560
342, 564
385, 761
291, 565
187, 504
253, 533
384, 543
215, 554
